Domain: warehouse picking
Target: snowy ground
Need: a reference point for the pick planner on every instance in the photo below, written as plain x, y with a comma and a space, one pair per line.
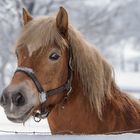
71, 137
29, 126
127, 81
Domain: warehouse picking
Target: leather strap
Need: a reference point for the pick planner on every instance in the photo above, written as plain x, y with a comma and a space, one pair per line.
45, 94
29, 72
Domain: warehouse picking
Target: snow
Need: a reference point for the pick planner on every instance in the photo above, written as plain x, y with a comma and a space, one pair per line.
70, 137
131, 54
29, 126
129, 82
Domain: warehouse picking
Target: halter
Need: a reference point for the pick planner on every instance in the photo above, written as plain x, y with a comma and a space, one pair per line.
45, 94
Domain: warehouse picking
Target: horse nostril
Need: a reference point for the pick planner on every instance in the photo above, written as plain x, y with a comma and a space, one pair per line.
18, 99
3, 100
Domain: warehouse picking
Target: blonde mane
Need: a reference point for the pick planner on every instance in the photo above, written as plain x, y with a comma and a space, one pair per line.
40, 33
94, 72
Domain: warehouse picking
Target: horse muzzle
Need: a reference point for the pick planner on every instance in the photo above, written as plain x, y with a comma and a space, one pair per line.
18, 103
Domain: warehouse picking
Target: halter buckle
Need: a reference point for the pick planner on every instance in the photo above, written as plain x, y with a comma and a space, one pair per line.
42, 97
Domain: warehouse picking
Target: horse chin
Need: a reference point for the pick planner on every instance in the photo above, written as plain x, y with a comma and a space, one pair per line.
23, 118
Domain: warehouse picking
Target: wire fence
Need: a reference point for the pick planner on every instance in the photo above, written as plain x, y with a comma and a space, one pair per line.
23, 133
63, 132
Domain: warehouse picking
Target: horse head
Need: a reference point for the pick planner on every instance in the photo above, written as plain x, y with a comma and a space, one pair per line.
43, 66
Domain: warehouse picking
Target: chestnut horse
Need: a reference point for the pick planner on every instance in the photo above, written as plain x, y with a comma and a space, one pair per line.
63, 77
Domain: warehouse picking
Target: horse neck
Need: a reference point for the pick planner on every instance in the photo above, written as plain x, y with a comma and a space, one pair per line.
73, 115
120, 113
123, 109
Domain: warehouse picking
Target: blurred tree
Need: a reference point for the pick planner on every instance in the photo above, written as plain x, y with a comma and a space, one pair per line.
108, 24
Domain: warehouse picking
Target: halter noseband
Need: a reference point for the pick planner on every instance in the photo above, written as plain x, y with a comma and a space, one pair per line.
45, 94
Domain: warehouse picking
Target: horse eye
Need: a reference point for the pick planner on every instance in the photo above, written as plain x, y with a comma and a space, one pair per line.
54, 56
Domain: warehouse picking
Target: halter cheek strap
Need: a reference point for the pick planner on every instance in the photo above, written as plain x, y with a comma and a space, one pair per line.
29, 72
45, 94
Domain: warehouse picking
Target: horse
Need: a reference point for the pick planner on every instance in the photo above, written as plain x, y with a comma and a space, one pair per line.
62, 77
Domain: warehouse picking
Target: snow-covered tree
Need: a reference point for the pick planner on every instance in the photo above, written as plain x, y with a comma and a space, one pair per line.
109, 24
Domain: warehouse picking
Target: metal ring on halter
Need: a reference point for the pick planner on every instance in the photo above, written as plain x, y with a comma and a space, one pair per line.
37, 117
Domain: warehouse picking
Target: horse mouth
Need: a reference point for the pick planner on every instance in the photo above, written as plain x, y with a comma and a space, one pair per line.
23, 118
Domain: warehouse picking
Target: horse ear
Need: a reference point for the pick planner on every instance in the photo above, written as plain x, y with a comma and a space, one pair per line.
62, 21
26, 16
